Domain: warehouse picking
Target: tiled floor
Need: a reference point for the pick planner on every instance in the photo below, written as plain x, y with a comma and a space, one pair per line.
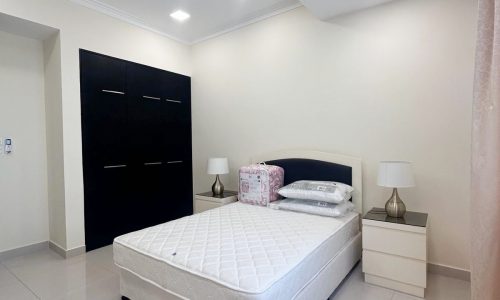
45, 275
438, 288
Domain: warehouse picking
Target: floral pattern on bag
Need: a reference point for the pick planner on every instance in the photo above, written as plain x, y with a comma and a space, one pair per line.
259, 184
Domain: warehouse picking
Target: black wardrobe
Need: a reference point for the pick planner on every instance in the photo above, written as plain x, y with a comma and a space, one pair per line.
136, 134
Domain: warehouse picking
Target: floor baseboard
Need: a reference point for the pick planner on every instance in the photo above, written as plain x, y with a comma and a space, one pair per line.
449, 271
66, 253
57, 249
23, 250
75, 251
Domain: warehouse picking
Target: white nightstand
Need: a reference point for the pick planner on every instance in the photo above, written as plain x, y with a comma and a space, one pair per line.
206, 201
395, 251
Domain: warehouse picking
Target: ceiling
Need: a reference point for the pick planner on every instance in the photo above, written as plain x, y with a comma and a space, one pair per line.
210, 18
327, 9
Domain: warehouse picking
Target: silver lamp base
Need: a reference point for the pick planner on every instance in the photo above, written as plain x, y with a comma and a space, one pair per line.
217, 187
394, 206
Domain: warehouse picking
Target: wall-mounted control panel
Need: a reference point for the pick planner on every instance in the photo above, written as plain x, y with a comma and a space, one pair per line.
6, 146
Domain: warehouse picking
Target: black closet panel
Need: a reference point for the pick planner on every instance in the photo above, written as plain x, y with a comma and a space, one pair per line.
179, 175
149, 188
178, 147
178, 144
105, 110
104, 130
101, 73
178, 96
146, 102
177, 120
136, 134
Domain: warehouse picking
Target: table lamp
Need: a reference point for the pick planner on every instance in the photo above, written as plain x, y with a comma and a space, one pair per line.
217, 166
395, 174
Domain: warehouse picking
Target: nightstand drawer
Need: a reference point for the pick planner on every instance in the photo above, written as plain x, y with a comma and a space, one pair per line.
394, 241
397, 268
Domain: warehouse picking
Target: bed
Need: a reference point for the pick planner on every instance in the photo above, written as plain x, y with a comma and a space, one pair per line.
241, 251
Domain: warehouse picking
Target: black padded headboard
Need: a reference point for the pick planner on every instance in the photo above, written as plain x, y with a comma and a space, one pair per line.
310, 169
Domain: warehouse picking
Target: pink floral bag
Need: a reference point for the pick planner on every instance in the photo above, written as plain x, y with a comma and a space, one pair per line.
259, 184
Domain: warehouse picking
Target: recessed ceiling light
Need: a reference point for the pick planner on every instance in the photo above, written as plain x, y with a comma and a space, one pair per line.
180, 15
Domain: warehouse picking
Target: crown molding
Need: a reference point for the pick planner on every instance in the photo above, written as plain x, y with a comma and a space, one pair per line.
124, 16
136, 21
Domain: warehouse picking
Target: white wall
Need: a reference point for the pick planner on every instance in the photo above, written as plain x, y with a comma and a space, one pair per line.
23, 176
84, 28
55, 144
393, 82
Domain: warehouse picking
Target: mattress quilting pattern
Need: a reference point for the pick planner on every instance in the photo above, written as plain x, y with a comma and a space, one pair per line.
240, 246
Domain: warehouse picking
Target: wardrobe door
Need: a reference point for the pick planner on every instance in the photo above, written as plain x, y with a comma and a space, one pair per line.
105, 160
177, 117
145, 86
146, 120
177, 143
104, 110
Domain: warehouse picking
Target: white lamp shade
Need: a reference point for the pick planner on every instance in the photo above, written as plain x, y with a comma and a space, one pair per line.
218, 165
395, 174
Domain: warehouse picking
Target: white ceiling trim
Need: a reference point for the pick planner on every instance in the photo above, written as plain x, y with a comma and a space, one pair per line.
124, 16
252, 21
134, 20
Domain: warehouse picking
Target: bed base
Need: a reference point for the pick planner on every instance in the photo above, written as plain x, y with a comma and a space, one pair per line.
132, 287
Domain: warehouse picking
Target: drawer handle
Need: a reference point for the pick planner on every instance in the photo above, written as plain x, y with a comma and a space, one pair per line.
174, 101
153, 163
152, 98
175, 162
113, 92
114, 166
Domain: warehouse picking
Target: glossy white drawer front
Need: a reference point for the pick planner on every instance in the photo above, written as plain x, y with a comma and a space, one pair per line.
396, 285
394, 241
405, 270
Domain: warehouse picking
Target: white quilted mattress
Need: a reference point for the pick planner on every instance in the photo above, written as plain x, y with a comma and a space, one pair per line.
237, 251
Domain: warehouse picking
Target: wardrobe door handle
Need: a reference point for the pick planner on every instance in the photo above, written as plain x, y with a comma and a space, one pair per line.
175, 162
156, 163
114, 166
174, 101
150, 97
113, 92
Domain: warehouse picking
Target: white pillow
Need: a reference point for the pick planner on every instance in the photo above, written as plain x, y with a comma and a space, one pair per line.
327, 191
314, 207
